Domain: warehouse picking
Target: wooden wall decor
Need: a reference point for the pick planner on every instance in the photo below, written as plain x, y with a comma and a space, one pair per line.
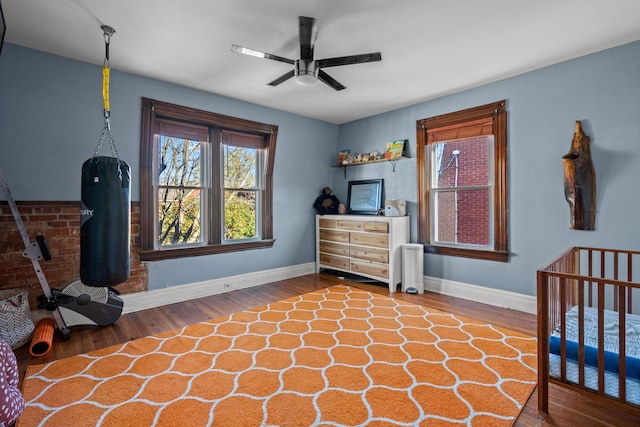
580, 181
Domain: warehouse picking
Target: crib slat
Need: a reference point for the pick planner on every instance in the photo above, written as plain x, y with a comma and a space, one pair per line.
616, 300
622, 350
590, 274
543, 340
630, 279
581, 355
601, 293
563, 329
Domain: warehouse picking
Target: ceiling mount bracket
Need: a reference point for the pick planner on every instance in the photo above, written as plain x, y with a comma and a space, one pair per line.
108, 32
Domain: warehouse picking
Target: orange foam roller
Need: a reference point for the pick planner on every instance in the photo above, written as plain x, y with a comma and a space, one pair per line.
42, 337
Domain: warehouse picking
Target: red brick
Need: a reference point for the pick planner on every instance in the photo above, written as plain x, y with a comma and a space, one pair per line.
59, 222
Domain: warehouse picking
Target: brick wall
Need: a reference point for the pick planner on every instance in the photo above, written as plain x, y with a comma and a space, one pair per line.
473, 205
59, 223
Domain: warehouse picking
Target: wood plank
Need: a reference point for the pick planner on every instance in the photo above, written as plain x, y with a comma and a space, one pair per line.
370, 254
334, 235
351, 225
373, 240
327, 260
376, 227
567, 408
370, 268
334, 248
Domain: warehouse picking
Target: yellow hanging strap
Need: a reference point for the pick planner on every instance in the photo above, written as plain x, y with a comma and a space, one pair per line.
106, 72
105, 87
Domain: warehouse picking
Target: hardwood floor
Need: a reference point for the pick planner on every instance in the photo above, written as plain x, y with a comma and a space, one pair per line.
567, 408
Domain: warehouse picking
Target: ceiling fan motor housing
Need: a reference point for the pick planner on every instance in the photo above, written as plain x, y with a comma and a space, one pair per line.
306, 72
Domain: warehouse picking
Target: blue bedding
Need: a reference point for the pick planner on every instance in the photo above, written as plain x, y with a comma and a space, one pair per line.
611, 359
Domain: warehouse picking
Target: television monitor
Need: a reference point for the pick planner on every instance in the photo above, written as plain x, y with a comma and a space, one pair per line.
365, 197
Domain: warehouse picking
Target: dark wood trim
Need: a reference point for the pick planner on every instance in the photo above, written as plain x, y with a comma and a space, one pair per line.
497, 111
152, 110
151, 255
267, 202
423, 179
467, 253
215, 192
188, 114
147, 210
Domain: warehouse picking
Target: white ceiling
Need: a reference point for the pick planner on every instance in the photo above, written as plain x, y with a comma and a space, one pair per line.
429, 48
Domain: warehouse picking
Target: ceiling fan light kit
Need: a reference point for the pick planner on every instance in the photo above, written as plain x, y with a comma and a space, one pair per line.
307, 71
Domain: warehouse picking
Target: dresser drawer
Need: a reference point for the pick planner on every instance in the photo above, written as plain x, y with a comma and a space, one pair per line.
327, 223
372, 239
370, 254
363, 267
351, 225
334, 235
334, 261
376, 227
334, 248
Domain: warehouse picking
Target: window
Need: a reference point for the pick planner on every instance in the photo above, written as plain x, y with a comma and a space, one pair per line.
462, 183
206, 182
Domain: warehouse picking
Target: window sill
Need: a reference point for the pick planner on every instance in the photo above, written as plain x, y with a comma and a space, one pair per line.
468, 253
156, 255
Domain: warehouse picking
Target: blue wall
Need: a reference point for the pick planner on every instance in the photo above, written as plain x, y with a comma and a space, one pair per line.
603, 91
51, 117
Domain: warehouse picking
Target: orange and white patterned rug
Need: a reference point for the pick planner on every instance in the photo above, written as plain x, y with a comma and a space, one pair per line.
334, 357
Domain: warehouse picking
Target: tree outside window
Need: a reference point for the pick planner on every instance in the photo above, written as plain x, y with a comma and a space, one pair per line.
240, 192
180, 190
205, 182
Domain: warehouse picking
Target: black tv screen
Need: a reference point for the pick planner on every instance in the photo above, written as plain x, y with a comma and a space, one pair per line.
365, 197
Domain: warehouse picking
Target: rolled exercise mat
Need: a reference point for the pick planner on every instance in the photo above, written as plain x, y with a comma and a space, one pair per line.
42, 337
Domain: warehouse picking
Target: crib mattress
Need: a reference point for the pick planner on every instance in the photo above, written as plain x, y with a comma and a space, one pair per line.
591, 379
632, 332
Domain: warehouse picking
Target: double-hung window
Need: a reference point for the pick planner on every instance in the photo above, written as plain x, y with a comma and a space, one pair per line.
462, 183
206, 182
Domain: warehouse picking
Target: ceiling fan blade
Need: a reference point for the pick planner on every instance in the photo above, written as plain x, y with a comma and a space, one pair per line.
259, 54
327, 79
282, 78
308, 32
348, 60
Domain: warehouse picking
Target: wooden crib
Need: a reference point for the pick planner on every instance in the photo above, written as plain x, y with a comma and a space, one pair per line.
588, 316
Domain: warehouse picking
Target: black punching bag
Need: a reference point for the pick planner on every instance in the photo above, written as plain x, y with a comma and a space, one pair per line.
105, 218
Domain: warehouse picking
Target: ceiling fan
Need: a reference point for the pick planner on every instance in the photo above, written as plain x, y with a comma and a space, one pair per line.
306, 70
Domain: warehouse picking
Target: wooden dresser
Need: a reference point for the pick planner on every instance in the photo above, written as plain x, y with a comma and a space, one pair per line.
369, 246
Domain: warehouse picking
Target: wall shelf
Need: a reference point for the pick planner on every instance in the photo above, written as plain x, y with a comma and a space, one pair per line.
393, 162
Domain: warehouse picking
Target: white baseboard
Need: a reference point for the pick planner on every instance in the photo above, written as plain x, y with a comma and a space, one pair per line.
159, 297
490, 296
174, 294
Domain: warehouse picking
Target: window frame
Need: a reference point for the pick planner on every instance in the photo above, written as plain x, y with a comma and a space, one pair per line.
497, 112
153, 110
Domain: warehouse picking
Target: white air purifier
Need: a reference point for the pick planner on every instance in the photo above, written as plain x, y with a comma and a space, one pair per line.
413, 268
